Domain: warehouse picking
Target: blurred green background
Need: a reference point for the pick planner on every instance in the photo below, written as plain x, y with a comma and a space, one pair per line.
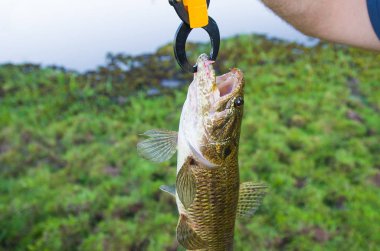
70, 177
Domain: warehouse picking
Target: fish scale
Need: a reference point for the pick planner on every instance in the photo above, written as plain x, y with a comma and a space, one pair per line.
213, 211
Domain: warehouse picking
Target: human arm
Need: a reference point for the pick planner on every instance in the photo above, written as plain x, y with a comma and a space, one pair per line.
340, 21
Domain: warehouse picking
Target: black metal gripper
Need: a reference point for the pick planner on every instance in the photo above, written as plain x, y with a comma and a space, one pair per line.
183, 33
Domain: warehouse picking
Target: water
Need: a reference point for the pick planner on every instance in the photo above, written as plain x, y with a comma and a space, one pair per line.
78, 34
171, 83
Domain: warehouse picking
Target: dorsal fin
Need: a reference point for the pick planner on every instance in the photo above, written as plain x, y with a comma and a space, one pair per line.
159, 146
250, 197
187, 237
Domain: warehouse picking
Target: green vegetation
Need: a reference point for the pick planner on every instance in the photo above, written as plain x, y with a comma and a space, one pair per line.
70, 178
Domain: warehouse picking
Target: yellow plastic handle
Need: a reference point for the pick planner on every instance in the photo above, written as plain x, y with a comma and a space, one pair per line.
198, 14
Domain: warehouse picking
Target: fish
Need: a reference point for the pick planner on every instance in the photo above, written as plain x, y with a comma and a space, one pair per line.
207, 190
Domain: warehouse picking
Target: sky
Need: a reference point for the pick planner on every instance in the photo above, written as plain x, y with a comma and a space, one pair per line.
77, 34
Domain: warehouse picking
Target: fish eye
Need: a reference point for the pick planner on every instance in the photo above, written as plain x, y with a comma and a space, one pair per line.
239, 101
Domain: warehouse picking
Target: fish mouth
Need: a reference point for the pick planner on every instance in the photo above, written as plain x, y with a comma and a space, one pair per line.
229, 84
217, 90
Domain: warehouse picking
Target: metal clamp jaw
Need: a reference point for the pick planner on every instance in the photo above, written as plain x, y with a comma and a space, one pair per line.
194, 14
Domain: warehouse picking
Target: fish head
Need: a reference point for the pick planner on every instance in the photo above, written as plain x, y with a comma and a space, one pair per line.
217, 111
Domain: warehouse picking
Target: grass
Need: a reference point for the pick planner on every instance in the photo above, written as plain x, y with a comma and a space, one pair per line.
70, 178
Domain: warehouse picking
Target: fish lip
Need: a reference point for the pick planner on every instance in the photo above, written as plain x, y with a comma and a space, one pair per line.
204, 64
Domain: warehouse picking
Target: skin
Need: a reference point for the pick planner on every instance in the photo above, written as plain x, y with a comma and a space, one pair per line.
340, 21
208, 144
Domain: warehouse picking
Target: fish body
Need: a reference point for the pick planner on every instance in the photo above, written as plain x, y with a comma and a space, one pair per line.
208, 192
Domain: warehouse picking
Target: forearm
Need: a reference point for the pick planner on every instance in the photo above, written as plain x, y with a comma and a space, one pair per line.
299, 13
342, 21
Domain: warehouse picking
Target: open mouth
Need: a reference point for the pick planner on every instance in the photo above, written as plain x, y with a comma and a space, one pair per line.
229, 83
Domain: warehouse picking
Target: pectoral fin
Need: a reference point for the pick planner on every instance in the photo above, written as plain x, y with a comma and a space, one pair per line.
250, 197
160, 145
186, 184
168, 189
187, 237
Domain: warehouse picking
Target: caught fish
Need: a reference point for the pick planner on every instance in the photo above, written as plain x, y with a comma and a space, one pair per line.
208, 192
